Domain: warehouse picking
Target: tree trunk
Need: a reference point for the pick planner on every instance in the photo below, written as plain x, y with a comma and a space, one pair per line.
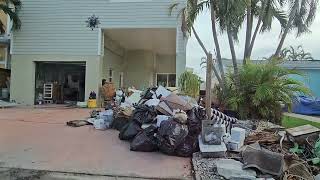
283, 37
208, 85
248, 32
254, 37
207, 55
234, 58
286, 30
199, 41
216, 43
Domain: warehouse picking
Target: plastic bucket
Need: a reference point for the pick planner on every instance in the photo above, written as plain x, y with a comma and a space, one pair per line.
92, 103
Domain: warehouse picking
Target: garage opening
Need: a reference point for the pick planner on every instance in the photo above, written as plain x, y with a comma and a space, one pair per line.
140, 57
60, 82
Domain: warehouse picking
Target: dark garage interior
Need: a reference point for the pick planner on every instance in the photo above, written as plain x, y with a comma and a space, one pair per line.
59, 82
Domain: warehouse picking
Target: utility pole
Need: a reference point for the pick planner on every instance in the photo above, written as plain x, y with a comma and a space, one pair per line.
208, 85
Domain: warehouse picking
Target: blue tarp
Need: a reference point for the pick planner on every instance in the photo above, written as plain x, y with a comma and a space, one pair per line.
307, 106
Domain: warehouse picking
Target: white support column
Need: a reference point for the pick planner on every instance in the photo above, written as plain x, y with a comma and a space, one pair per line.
181, 46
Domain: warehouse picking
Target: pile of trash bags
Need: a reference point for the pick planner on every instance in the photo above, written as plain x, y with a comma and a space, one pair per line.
159, 121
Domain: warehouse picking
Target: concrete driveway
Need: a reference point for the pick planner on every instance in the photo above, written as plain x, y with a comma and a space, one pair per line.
38, 139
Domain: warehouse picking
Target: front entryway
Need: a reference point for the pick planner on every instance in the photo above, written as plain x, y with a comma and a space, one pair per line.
59, 82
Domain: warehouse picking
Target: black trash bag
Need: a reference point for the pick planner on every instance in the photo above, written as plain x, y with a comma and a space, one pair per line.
145, 141
188, 147
144, 114
149, 93
170, 135
119, 122
129, 131
195, 118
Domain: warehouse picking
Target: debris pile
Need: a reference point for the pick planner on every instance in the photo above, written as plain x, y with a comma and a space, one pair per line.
222, 147
159, 120
270, 150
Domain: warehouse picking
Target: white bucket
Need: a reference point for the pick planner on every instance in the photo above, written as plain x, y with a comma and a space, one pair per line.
5, 93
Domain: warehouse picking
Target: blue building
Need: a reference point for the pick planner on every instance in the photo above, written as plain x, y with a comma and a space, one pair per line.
311, 71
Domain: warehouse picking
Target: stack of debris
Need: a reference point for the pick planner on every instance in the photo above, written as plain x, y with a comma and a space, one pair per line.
270, 151
159, 120
222, 147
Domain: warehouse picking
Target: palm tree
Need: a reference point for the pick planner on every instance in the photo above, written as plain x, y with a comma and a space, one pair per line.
301, 16
295, 54
265, 12
11, 8
189, 15
265, 87
230, 16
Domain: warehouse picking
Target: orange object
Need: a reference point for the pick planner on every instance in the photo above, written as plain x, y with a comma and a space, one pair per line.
109, 91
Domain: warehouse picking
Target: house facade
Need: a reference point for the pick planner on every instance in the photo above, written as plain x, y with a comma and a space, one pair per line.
310, 74
137, 44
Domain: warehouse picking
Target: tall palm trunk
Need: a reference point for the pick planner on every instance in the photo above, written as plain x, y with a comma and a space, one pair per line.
234, 58
207, 54
248, 32
286, 30
254, 37
216, 43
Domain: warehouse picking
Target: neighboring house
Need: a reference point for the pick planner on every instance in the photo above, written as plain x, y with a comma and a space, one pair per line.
311, 74
137, 44
309, 69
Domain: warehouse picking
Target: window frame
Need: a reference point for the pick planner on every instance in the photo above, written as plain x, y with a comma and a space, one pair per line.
167, 74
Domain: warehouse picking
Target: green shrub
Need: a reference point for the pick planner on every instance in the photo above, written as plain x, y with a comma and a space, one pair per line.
263, 89
189, 84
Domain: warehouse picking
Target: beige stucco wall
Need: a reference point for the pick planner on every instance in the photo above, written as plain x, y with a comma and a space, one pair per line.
166, 64
23, 74
115, 62
139, 69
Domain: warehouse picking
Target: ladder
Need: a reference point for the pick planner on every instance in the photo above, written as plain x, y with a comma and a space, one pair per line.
48, 93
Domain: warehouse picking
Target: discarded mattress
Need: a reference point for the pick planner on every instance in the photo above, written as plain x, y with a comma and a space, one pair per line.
307, 106
171, 103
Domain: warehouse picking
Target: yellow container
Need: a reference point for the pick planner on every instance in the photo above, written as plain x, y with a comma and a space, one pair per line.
92, 103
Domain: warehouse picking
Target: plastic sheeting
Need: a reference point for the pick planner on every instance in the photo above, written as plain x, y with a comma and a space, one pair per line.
307, 106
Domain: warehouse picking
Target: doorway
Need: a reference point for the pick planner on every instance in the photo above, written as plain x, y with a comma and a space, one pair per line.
60, 82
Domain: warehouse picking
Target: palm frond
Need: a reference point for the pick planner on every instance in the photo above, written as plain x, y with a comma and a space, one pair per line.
264, 87
12, 14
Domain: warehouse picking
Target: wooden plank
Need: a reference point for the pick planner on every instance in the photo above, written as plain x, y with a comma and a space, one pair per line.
302, 130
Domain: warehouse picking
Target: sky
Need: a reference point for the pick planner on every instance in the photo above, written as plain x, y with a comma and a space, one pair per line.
265, 44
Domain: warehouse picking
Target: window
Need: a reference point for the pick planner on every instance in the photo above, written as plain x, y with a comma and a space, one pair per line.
166, 80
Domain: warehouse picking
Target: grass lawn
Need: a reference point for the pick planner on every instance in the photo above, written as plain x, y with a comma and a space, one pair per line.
290, 122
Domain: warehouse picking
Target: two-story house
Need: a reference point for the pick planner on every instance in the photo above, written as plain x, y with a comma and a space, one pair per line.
137, 43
